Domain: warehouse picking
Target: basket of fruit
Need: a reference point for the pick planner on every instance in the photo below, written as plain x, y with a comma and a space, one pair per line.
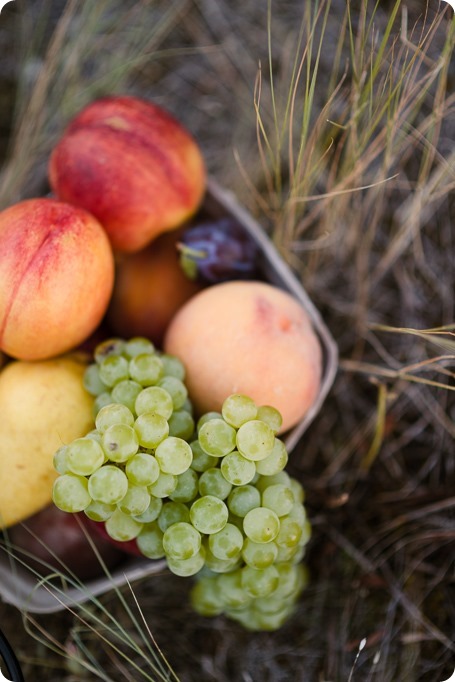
147, 425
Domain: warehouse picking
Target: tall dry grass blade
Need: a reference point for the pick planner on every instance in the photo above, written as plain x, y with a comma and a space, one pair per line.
76, 68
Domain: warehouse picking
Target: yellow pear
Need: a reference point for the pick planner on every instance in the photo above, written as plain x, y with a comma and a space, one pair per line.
43, 405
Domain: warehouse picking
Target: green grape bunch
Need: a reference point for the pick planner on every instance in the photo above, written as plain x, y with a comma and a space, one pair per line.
211, 496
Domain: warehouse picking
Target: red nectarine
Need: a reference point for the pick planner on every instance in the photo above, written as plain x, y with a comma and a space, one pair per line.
56, 277
132, 165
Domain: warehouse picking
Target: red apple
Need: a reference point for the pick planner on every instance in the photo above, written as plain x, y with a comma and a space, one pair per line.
149, 288
56, 277
133, 166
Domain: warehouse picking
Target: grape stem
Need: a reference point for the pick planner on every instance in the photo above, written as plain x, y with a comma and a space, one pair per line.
188, 259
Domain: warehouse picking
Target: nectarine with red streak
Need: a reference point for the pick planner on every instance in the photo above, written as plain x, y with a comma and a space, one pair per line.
149, 288
56, 277
251, 338
132, 165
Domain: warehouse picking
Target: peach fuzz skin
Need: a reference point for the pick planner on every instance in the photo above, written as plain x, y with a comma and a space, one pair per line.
56, 278
251, 338
149, 288
133, 166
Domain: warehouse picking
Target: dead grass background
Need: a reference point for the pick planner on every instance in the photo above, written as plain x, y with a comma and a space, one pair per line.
334, 123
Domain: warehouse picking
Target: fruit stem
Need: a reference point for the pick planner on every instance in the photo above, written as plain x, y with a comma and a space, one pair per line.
188, 259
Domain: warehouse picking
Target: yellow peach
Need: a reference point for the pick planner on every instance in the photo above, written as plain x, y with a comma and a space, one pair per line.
252, 338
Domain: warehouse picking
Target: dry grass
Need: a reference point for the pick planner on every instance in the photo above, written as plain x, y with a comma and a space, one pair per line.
342, 144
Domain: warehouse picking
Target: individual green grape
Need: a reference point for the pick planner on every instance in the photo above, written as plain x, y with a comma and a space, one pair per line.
135, 501
173, 512
164, 485
289, 534
216, 437
108, 348
60, 460
238, 409
92, 381
188, 406
298, 513
297, 489
150, 541
231, 590
146, 369
279, 498
174, 455
138, 345
94, 434
113, 414
201, 460
119, 442
212, 482
152, 512
261, 525
205, 598
126, 392
176, 389
217, 565
187, 567
151, 429
259, 582
272, 621
255, 440
108, 484
237, 469
288, 555
181, 540
98, 511
181, 424
113, 369
245, 616
173, 366
275, 461
142, 469
292, 579
281, 477
209, 514
227, 543
84, 456
271, 416
259, 555
122, 527
101, 401
154, 399
271, 605
187, 487
70, 493
207, 417
242, 499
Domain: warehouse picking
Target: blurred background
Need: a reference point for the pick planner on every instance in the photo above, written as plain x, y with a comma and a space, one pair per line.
333, 122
